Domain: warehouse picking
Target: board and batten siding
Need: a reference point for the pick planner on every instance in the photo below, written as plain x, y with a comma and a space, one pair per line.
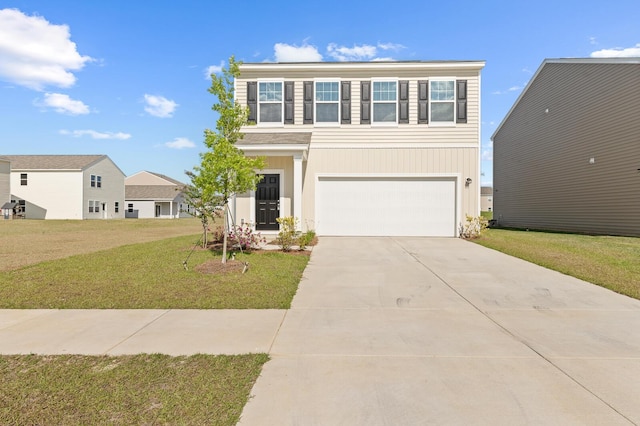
567, 157
458, 162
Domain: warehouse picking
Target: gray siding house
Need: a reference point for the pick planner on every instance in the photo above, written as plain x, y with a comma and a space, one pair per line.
567, 155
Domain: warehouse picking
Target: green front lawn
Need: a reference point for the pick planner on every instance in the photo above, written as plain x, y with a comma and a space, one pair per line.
611, 262
151, 276
126, 390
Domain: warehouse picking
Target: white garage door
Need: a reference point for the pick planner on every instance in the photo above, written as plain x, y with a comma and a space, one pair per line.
386, 206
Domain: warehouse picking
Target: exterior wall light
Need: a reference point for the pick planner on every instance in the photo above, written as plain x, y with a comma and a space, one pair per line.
468, 181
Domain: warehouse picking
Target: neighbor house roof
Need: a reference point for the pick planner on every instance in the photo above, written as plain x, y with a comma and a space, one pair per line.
486, 190
150, 192
52, 162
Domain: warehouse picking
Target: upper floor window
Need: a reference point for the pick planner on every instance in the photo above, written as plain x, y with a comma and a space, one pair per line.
270, 102
385, 96
442, 101
327, 101
96, 181
23, 179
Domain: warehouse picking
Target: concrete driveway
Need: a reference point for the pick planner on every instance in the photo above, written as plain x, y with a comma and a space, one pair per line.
413, 331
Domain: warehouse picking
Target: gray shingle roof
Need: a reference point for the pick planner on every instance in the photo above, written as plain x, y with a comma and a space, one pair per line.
486, 190
150, 192
291, 138
52, 162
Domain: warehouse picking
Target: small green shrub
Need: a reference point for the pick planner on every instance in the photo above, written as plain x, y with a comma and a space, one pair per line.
473, 227
288, 234
305, 239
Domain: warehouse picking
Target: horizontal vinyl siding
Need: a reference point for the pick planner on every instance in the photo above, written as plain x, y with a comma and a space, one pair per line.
473, 94
542, 175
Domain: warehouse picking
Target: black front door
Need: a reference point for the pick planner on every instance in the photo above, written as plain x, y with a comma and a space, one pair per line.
268, 203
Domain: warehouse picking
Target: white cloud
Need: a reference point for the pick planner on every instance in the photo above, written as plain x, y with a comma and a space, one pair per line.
291, 53
487, 155
617, 52
180, 143
63, 104
363, 52
96, 135
35, 53
159, 106
213, 69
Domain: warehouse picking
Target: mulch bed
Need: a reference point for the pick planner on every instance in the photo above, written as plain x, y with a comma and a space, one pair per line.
215, 266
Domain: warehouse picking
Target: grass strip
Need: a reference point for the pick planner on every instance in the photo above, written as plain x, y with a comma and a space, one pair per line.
137, 389
151, 276
611, 262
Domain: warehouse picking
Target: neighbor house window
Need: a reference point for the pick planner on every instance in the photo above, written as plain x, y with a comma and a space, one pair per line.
130, 208
116, 207
96, 181
327, 101
91, 204
270, 101
23, 179
385, 96
442, 101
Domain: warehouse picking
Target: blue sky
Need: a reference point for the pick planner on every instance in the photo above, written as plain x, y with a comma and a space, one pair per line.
129, 79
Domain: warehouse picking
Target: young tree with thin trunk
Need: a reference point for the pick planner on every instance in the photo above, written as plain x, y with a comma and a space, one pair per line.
224, 170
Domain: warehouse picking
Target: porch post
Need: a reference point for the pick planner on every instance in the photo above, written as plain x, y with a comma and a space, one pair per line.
297, 187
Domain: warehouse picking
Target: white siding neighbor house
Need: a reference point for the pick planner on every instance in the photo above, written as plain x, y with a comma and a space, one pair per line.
5, 189
567, 155
149, 195
67, 186
370, 149
486, 199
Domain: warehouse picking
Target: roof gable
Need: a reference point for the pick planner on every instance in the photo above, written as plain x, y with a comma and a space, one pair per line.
151, 178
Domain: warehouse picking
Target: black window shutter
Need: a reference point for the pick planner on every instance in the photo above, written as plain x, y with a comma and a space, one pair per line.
403, 104
308, 102
288, 102
252, 101
345, 102
365, 102
423, 101
461, 102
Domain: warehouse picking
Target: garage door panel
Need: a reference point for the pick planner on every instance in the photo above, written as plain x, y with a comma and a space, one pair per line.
385, 206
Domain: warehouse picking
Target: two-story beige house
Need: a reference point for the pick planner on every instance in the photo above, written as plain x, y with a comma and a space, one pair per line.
363, 149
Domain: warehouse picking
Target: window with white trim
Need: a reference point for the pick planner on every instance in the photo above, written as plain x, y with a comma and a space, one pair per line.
270, 105
385, 101
23, 179
96, 181
442, 99
327, 99
116, 207
130, 208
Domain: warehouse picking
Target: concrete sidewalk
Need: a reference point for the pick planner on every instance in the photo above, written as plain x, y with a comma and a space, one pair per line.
396, 331
132, 331
408, 331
